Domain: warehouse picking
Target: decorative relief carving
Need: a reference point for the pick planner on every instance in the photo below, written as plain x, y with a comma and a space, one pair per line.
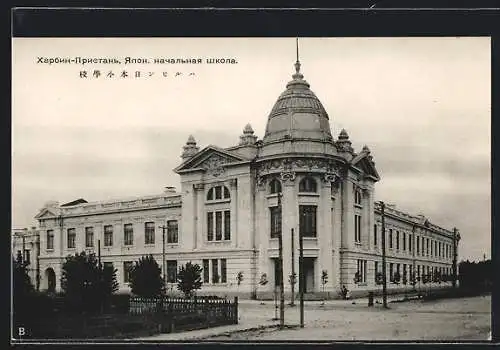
199, 186
287, 176
214, 165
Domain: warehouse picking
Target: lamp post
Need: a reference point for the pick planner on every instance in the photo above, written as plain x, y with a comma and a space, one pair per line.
282, 292
384, 267
163, 227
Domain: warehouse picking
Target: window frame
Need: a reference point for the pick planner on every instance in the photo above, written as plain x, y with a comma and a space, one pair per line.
308, 185
149, 232
128, 234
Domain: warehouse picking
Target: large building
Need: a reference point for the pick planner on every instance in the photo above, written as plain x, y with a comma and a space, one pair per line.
234, 203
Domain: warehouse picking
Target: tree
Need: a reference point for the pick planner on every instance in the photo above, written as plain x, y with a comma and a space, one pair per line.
22, 289
263, 280
22, 285
145, 278
189, 279
86, 285
324, 281
239, 278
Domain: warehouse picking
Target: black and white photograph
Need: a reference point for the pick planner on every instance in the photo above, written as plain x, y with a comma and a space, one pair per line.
251, 189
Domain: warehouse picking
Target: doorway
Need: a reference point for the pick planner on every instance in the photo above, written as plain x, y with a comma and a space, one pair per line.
309, 275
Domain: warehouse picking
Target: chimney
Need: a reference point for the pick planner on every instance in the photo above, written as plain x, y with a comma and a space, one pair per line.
169, 189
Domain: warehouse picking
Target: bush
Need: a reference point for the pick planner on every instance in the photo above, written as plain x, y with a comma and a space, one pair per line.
146, 279
189, 279
86, 285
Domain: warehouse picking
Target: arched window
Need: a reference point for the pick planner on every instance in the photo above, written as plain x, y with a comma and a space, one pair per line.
275, 186
218, 192
308, 184
357, 196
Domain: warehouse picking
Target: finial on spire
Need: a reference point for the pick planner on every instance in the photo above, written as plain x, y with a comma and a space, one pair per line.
297, 63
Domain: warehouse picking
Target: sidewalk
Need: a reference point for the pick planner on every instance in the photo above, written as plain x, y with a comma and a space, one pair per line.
254, 319
243, 326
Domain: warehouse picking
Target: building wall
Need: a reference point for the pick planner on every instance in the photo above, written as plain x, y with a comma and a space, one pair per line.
336, 249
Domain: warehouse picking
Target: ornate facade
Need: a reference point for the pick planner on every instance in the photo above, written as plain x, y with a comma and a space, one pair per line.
235, 202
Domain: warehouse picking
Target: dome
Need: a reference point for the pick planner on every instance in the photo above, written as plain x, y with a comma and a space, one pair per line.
298, 114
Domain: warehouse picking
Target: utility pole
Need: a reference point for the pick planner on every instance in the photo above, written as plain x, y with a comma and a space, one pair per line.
454, 282
100, 274
282, 292
384, 267
163, 227
292, 277
301, 278
24, 248
414, 277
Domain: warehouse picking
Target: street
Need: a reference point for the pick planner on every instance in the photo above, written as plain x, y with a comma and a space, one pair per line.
448, 319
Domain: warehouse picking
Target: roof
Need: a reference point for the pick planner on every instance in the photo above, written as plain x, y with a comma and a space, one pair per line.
75, 202
298, 114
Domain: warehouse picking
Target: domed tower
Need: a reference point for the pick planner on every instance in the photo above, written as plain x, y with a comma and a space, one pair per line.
298, 118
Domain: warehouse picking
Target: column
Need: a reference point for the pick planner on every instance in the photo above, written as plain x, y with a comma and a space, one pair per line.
289, 215
347, 214
262, 239
233, 185
199, 215
325, 241
337, 238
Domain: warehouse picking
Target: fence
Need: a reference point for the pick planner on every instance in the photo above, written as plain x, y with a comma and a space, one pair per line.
178, 313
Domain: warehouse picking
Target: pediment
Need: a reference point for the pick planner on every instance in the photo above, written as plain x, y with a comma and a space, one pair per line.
46, 214
364, 163
210, 159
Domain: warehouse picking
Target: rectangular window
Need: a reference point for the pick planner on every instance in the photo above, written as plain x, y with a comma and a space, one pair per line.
375, 270
432, 248
391, 272
218, 225
210, 226
390, 238
127, 267
397, 240
50, 239
218, 192
171, 271
215, 271
223, 272
427, 247
89, 237
172, 231
275, 214
206, 271
71, 238
128, 234
418, 245
410, 239
307, 220
375, 235
361, 271
108, 265
418, 271
357, 228
404, 241
108, 235
227, 225
149, 233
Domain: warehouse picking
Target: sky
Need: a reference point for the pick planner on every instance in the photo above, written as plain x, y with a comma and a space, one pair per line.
422, 105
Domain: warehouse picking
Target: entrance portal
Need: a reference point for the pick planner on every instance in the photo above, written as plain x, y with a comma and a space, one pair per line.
50, 280
309, 275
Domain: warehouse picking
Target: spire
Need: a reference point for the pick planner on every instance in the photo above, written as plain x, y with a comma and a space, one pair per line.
297, 75
190, 149
248, 137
